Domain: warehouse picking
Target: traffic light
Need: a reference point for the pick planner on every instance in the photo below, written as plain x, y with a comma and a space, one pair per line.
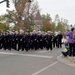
29, 0
7, 2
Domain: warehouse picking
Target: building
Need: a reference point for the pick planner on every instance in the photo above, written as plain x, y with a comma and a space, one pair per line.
38, 22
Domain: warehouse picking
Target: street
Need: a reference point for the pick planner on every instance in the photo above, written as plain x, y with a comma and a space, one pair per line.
40, 62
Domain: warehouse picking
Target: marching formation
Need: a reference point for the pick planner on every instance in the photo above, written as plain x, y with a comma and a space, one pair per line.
30, 40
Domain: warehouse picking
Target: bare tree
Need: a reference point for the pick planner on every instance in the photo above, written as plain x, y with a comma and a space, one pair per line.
25, 12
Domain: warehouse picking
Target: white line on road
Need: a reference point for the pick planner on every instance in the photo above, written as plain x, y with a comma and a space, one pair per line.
8, 53
41, 56
36, 73
43, 51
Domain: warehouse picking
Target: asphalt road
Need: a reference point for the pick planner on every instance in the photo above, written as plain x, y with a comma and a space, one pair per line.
40, 62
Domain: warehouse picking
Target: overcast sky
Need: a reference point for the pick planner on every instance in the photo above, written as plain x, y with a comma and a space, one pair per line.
65, 8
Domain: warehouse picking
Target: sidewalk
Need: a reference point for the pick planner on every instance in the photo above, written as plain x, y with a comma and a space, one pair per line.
67, 60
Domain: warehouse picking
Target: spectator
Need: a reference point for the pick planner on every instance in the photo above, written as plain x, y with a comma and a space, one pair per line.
71, 42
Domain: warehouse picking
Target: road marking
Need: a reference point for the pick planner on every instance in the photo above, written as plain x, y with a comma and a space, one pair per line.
8, 53
40, 56
36, 73
43, 51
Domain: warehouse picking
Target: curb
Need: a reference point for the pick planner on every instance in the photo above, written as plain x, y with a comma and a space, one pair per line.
66, 60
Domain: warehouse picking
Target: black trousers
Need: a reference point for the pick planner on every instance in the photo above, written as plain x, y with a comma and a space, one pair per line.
72, 49
59, 44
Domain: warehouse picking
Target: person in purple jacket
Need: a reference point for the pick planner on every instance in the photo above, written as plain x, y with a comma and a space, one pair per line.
71, 42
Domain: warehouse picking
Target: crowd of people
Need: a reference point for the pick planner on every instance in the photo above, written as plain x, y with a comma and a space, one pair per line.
37, 40
30, 40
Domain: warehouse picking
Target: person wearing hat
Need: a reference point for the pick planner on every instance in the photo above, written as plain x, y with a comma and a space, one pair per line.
49, 41
59, 40
20, 40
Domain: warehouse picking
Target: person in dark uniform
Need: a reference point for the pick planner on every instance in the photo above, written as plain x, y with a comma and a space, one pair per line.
49, 41
31, 41
59, 40
6, 40
15, 41
54, 40
40, 37
3, 40
35, 40
0, 40
20, 38
11, 40
44, 40
39, 40
27, 40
